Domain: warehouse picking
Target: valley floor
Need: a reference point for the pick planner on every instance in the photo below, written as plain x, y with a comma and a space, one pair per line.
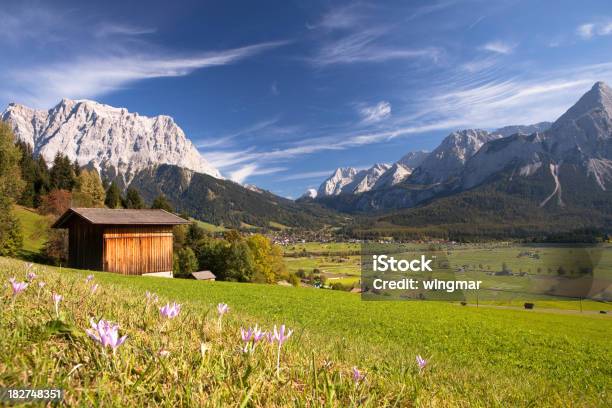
475, 356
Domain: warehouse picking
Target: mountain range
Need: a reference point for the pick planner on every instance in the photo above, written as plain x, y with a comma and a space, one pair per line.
422, 167
559, 175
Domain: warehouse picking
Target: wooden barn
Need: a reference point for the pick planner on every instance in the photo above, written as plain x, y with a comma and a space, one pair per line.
130, 242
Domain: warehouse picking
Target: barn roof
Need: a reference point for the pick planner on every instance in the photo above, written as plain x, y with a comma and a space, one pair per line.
203, 275
106, 216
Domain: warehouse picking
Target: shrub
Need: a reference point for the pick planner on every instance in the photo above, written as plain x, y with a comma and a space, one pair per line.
185, 263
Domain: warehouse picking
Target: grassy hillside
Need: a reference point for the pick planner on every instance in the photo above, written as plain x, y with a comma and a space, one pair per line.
476, 356
34, 228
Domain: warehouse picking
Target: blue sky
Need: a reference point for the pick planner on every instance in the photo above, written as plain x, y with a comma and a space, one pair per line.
278, 94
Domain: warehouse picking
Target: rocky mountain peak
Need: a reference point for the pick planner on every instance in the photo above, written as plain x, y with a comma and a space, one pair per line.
113, 140
448, 159
586, 126
598, 99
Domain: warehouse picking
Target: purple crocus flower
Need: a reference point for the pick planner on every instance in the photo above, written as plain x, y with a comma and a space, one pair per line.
31, 276
89, 278
170, 311
222, 308
106, 333
12, 279
358, 376
94, 288
41, 284
421, 362
56, 301
258, 334
251, 337
280, 336
18, 287
246, 335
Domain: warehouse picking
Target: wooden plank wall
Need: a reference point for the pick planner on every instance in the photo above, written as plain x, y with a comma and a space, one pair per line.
134, 250
85, 245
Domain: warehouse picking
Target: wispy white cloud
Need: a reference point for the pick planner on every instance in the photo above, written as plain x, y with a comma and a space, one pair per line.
585, 30
243, 173
590, 30
363, 46
376, 113
89, 76
308, 175
340, 17
499, 47
33, 24
227, 139
499, 102
108, 29
431, 7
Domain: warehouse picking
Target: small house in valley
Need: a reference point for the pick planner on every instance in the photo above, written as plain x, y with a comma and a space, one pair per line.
130, 242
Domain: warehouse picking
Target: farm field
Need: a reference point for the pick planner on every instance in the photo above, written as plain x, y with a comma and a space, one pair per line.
338, 262
475, 356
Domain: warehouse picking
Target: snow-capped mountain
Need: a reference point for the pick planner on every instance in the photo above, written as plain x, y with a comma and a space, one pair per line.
116, 142
351, 181
337, 181
448, 159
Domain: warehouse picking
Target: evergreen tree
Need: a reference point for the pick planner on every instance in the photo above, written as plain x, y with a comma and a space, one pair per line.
162, 203
113, 196
62, 175
42, 180
27, 165
132, 199
11, 186
76, 168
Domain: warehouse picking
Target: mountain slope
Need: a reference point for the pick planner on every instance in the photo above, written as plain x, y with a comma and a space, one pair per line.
582, 136
223, 202
447, 160
114, 141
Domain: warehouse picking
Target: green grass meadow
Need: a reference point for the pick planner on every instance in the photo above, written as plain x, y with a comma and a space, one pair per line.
34, 228
476, 356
